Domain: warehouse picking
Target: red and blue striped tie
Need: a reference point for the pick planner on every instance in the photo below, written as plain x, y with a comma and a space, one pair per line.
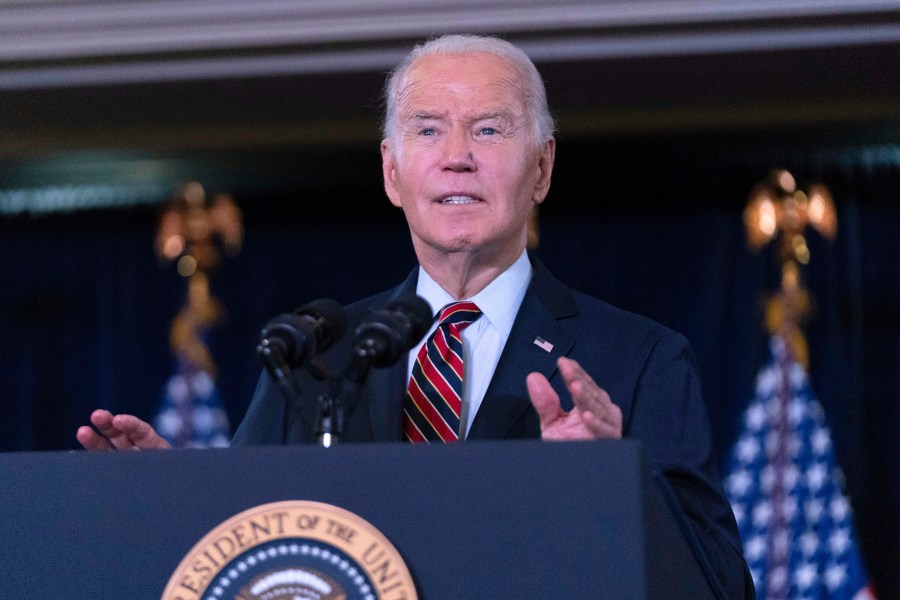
434, 396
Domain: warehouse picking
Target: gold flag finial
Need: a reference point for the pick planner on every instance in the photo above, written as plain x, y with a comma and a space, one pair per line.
779, 211
195, 231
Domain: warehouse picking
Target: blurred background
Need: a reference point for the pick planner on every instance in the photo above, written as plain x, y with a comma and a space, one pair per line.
669, 112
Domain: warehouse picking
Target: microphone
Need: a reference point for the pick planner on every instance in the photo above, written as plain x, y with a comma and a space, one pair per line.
390, 332
298, 336
292, 339
379, 341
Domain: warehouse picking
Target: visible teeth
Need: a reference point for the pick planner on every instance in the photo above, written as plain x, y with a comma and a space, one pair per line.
458, 200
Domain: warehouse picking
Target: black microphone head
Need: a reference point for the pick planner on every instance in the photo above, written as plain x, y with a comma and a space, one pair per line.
292, 335
331, 321
309, 330
394, 329
418, 311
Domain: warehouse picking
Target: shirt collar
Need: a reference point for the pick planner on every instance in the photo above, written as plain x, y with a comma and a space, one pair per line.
499, 301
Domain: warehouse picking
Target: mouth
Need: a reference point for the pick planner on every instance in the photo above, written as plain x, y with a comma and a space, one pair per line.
458, 199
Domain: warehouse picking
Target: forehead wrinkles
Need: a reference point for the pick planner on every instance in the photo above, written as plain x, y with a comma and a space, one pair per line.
503, 94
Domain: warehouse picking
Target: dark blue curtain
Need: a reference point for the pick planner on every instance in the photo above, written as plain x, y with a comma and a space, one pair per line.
652, 227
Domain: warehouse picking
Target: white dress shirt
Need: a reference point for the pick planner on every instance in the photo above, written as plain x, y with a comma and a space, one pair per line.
483, 340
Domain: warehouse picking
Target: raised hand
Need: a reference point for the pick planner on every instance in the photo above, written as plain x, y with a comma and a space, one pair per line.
594, 416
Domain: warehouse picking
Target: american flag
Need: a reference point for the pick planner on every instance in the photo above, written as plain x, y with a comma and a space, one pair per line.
191, 413
786, 491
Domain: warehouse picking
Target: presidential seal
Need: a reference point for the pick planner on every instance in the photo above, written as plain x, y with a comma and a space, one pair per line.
294, 550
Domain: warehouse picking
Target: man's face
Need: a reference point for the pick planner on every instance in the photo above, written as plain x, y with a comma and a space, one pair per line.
462, 164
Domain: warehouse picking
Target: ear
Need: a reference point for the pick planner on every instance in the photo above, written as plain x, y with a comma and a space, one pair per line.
545, 170
389, 171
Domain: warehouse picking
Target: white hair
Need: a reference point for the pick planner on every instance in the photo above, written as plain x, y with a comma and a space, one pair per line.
540, 121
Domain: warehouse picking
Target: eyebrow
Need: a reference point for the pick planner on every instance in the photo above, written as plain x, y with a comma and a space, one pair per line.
424, 116
498, 114
429, 116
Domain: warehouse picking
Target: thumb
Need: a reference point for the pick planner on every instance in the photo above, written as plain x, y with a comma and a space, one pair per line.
543, 397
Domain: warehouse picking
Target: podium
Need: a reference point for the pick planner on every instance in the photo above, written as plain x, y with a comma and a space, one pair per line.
510, 519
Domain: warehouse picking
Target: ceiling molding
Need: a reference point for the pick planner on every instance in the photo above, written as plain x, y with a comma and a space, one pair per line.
64, 44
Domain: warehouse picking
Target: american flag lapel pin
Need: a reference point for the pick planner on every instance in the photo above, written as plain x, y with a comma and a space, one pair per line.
543, 344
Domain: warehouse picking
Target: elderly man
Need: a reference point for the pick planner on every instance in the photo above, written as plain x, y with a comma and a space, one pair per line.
468, 151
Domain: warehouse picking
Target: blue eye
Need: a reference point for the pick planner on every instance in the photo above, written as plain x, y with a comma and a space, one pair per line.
427, 131
488, 131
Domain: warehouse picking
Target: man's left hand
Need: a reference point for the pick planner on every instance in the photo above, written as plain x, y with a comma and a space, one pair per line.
594, 416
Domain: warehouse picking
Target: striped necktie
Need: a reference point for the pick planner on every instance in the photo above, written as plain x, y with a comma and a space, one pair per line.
434, 396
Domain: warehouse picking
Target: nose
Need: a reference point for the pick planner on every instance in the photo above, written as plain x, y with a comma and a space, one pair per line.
458, 155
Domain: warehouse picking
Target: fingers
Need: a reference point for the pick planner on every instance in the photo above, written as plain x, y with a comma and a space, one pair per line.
118, 438
544, 399
119, 432
139, 434
90, 440
597, 410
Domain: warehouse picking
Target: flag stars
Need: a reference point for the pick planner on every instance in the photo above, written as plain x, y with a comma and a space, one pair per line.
762, 513
785, 491
796, 411
747, 449
816, 476
755, 548
756, 417
766, 382
789, 477
821, 441
809, 543
813, 509
835, 576
839, 541
739, 483
797, 376
805, 576
839, 508
789, 508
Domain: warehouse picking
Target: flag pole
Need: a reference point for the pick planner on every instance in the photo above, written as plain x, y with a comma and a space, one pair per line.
779, 212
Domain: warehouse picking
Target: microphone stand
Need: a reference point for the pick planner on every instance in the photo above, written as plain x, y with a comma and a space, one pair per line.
273, 359
329, 420
331, 409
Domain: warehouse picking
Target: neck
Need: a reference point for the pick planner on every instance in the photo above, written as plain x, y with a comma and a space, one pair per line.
464, 274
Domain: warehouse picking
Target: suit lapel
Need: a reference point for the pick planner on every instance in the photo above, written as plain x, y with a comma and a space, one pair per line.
386, 387
528, 349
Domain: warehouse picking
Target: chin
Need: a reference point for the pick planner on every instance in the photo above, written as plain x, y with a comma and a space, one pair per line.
458, 241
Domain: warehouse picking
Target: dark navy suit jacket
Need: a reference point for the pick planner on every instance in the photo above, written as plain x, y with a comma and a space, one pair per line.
648, 371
